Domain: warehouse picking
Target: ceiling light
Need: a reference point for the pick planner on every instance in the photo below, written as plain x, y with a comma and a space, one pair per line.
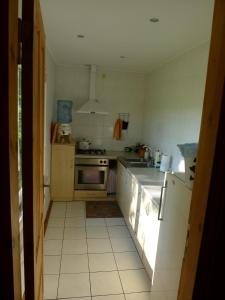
80, 36
154, 20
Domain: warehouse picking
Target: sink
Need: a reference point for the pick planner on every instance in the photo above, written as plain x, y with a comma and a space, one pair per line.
135, 163
134, 160
139, 164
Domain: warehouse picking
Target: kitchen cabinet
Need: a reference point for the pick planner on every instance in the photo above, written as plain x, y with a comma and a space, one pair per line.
127, 196
132, 188
62, 172
160, 236
148, 225
121, 192
165, 239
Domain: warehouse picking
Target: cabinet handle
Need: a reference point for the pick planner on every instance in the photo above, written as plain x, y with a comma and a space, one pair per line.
160, 218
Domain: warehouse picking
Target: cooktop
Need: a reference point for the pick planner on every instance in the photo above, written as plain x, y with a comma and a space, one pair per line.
91, 151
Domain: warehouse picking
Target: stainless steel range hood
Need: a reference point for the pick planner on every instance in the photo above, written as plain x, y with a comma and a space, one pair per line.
93, 105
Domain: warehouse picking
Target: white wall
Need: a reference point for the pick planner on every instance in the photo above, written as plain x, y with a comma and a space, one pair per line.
49, 111
165, 107
174, 102
117, 91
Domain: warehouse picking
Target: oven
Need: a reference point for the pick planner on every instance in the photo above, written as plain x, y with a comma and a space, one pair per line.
91, 173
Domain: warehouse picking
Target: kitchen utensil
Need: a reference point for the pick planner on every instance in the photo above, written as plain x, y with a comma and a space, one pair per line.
84, 145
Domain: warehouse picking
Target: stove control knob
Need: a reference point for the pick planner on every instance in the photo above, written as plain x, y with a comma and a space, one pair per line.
104, 161
101, 161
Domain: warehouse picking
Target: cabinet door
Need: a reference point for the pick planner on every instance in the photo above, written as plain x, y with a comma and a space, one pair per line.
62, 175
150, 229
126, 195
132, 200
122, 173
172, 234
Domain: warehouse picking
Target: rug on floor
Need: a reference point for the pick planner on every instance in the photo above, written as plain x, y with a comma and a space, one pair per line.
103, 209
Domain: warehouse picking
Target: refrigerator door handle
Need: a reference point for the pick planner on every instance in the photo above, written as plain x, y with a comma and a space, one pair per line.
160, 217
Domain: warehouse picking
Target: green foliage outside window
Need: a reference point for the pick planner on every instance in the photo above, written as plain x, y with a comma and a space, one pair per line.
20, 126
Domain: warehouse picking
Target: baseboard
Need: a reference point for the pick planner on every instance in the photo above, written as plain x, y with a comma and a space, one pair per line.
47, 215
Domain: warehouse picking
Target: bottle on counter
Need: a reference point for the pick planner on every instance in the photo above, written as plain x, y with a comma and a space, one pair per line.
147, 153
157, 156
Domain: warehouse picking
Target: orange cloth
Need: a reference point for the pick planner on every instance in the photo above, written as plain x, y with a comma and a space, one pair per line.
118, 129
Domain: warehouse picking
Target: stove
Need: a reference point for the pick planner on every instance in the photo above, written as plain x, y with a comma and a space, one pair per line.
92, 151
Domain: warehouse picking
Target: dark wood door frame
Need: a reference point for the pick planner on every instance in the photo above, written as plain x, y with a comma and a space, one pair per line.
33, 61
10, 281
27, 148
208, 185
209, 283
205, 251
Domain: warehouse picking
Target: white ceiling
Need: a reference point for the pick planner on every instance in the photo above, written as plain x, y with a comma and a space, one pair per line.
121, 27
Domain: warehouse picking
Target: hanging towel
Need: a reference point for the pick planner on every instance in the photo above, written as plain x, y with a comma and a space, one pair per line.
111, 182
118, 129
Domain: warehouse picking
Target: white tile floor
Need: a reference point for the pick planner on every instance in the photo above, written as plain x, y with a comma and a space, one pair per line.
92, 259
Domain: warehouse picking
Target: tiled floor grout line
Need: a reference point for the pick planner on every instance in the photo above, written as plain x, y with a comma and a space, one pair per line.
116, 265
98, 271
86, 239
61, 255
88, 259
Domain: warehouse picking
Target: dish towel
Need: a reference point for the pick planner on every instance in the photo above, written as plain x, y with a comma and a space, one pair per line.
118, 129
111, 182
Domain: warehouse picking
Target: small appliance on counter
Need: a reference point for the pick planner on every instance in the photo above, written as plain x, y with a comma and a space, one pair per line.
165, 163
189, 152
84, 144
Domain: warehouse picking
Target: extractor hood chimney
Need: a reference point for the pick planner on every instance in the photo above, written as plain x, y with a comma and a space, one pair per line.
92, 106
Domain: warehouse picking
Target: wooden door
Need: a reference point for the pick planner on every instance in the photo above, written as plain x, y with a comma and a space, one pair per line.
33, 66
62, 172
10, 283
209, 181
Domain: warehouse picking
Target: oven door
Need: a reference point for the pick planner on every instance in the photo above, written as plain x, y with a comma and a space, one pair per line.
90, 177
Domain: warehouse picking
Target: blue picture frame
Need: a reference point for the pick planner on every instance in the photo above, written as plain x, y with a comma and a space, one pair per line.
64, 111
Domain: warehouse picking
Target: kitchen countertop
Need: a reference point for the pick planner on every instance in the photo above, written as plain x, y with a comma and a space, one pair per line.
148, 176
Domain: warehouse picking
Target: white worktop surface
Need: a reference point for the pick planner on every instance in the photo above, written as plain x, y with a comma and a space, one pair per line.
151, 181
148, 176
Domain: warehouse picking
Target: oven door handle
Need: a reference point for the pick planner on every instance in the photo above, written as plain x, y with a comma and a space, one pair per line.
98, 168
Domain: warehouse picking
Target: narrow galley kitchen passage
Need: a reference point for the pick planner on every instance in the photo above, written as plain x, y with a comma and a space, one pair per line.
92, 258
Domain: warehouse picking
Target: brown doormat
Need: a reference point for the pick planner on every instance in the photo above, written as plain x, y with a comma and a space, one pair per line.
103, 209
